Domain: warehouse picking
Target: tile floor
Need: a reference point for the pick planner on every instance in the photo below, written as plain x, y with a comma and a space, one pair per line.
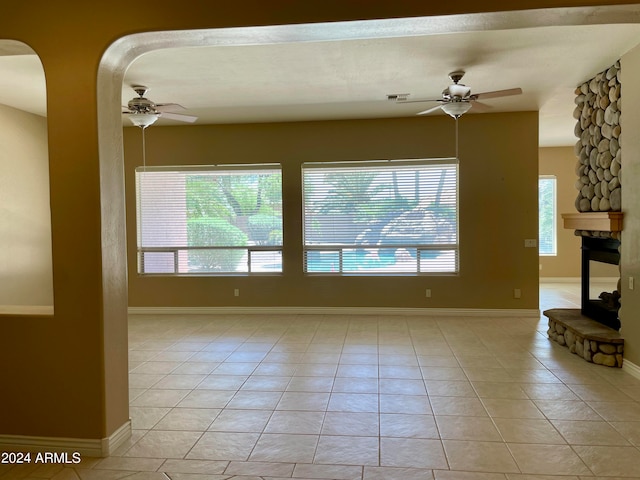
367, 398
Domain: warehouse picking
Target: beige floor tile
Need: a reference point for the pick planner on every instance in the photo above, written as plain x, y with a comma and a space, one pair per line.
499, 390
467, 428
447, 388
316, 370
241, 421
351, 450
309, 401
143, 380
548, 459
443, 373
144, 418
130, 464
451, 475
224, 446
164, 444
211, 467
527, 430
357, 371
400, 371
548, 391
473, 456
276, 369
252, 400
222, 382
310, 384
407, 404
511, 408
353, 402
160, 398
359, 359
617, 411
484, 374
195, 368
408, 426
206, 399
463, 406
412, 452
266, 383
188, 419
567, 410
404, 360
336, 472
402, 386
309, 423
589, 433
156, 368
629, 430
600, 393
260, 469
397, 473
437, 361
280, 447
351, 423
178, 381
84, 474
611, 461
355, 385
235, 368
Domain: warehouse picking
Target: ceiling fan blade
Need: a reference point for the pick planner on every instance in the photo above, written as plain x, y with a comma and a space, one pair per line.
169, 107
432, 109
179, 117
498, 93
420, 101
480, 107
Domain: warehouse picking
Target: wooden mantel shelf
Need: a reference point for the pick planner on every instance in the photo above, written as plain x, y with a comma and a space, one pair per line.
594, 221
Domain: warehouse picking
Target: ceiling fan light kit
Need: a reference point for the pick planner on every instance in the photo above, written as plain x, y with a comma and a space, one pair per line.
143, 120
456, 109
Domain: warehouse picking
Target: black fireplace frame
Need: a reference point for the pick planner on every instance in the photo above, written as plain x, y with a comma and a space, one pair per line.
604, 250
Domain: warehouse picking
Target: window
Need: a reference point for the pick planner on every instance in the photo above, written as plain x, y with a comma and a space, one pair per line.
381, 217
547, 214
209, 220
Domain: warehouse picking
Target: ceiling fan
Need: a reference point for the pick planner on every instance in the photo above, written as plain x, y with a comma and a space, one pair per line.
457, 98
143, 112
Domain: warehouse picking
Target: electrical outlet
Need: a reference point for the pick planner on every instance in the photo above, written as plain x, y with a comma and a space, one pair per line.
530, 243
236, 292
427, 293
630, 283
517, 293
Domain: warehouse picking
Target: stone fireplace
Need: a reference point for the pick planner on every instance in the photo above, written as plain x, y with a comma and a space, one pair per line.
592, 331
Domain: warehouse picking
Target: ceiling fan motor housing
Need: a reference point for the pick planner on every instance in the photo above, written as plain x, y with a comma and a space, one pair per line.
142, 105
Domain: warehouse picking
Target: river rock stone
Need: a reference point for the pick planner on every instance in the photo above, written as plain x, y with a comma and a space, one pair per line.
616, 200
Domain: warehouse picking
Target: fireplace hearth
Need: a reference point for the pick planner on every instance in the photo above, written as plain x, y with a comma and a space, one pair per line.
592, 332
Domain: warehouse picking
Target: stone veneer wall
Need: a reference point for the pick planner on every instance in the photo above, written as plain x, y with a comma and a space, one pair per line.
598, 127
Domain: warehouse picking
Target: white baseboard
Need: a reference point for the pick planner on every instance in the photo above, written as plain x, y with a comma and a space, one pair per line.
429, 312
631, 368
85, 447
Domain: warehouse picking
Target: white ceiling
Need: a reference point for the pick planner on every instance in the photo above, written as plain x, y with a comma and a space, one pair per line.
349, 79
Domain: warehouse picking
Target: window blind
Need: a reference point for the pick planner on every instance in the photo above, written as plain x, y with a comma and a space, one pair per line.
381, 217
209, 219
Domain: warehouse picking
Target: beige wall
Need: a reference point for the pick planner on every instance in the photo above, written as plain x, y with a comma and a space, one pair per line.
630, 244
25, 216
75, 362
498, 211
560, 162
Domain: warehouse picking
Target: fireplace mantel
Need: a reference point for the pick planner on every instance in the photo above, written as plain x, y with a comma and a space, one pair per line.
594, 221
